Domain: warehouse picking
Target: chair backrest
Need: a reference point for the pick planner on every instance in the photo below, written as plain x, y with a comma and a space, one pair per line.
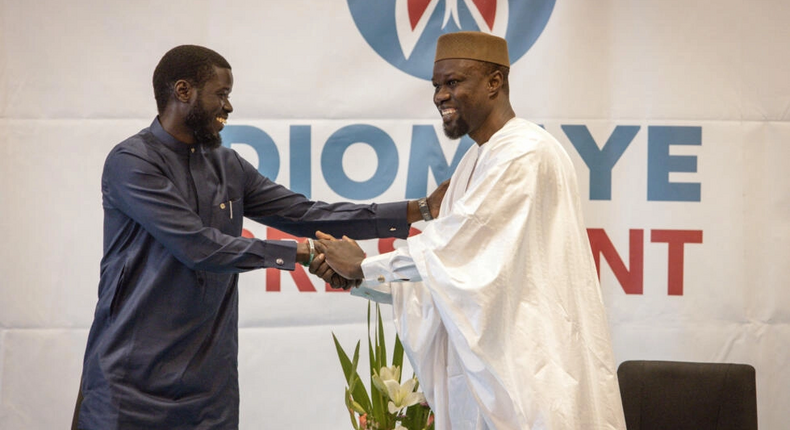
672, 395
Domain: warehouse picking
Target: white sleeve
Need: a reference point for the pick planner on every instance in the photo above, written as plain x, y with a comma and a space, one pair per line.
379, 271
395, 266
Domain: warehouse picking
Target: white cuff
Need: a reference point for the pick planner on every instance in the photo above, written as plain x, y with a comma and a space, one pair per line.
395, 266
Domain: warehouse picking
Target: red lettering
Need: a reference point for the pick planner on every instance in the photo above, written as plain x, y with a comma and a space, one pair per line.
676, 239
630, 280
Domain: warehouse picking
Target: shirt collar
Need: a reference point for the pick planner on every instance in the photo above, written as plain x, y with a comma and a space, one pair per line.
167, 139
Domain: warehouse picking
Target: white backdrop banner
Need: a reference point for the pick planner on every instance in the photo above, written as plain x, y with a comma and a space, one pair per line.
675, 114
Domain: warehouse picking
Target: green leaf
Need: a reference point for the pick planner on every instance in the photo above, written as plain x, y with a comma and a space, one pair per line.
358, 391
377, 400
397, 355
350, 410
354, 362
369, 321
345, 363
353, 419
358, 408
382, 345
416, 417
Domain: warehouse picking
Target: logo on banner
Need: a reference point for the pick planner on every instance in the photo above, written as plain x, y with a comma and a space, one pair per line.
404, 32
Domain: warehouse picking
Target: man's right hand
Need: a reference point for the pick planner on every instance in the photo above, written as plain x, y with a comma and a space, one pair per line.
320, 268
343, 256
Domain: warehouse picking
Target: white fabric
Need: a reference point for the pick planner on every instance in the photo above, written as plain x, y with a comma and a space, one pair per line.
508, 329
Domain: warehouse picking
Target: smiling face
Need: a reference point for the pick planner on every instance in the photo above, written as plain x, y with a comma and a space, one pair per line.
210, 108
461, 95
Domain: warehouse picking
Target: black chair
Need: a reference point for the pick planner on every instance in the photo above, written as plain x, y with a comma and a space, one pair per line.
673, 395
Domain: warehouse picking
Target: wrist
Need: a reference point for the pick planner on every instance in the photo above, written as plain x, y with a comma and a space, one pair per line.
418, 210
413, 212
357, 272
303, 252
425, 210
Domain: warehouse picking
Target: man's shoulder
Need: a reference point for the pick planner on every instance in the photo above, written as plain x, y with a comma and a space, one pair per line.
519, 128
137, 143
520, 136
140, 149
523, 141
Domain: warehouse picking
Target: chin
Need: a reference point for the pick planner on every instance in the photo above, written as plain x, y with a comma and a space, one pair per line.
453, 133
209, 140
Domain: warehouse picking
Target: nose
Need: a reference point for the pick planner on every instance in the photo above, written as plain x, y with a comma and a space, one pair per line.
228, 107
440, 95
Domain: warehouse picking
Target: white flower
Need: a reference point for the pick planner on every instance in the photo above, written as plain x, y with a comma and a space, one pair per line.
390, 373
385, 374
402, 396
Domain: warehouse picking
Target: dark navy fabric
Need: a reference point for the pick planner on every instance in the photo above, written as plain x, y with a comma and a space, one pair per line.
162, 350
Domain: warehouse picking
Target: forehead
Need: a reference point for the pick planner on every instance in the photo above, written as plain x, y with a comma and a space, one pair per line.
460, 66
223, 78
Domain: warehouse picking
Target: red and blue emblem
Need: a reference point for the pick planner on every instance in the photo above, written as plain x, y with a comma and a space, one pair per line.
404, 32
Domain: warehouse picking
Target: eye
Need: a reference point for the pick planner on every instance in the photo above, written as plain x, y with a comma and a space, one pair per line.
452, 82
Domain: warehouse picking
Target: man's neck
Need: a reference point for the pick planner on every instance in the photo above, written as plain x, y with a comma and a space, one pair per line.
493, 124
174, 126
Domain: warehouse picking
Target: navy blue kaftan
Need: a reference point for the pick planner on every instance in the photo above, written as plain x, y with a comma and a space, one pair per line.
162, 350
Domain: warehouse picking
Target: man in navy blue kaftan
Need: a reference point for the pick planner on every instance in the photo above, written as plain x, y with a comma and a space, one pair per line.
162, 350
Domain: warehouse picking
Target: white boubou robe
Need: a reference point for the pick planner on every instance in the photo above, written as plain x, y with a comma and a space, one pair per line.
507, 329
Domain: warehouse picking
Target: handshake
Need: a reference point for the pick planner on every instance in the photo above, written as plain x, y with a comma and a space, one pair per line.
337, 261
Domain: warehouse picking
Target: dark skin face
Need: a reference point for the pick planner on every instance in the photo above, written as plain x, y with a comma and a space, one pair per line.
197, 114
470, 100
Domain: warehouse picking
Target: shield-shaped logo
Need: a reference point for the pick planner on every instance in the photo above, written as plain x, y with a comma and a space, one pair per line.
404, 32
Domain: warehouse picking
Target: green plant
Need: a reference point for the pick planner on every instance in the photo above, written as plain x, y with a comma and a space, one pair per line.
390, 405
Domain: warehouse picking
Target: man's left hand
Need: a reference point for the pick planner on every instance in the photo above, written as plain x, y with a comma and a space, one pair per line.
436, 197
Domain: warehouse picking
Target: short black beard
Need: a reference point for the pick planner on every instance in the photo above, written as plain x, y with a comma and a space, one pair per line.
200, 122
456, 131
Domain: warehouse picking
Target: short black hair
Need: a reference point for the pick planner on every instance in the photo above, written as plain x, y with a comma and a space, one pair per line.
193, 63
489, 68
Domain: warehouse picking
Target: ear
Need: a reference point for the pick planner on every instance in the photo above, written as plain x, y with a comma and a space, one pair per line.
183, 90
494, 84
